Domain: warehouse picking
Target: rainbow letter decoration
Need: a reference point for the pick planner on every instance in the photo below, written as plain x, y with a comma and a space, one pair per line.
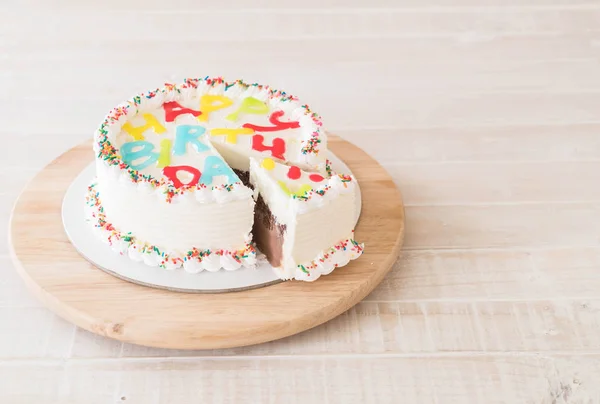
164, 158
188, 134
303, 190
173, 109
210, 103
278, 125
144, 149
250, 105
137, 131
277, 149
171, 173
316, 177
213, 167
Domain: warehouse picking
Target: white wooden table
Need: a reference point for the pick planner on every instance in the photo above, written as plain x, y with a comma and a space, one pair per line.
486, 112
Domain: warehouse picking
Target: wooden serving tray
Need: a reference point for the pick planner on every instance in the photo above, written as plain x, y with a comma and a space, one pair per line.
98, 302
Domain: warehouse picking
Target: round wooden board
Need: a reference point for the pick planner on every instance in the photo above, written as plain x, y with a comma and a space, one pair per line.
98, 302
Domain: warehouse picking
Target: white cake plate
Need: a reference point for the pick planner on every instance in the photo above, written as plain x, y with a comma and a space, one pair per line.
81, 235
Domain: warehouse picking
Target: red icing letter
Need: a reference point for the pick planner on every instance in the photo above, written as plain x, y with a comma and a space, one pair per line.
173, 110
274, 119
171, 173
294, 173
316, 178
277, 149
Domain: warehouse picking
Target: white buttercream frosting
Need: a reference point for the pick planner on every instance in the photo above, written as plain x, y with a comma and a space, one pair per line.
326, 261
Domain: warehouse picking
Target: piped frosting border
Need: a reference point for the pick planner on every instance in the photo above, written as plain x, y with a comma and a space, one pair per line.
325, 262
319, 196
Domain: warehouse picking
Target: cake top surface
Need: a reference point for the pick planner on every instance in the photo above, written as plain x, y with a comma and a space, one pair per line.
186, 137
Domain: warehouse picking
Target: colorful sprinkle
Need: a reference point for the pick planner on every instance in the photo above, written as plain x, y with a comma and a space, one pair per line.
343, 246
345, 179
312, 144
328, 168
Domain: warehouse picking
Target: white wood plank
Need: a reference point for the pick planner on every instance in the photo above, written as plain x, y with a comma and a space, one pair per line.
18, 380
473, 276
509, 226
6, 205
496, 183
402, 76
60, 340
88, 345
41, 150
340, 24
482, 144
33, 332
324, 6
14, 181
13, 292
557, 379
57, 382
464, 276
574, 270
82, 386
212, 57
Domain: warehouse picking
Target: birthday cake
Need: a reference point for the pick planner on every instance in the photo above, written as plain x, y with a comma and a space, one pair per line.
199, 174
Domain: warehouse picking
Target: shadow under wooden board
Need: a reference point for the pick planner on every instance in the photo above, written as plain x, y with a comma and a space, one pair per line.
98, 302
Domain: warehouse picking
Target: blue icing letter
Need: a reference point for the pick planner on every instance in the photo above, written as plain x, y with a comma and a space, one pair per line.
188, 134
213, 167
143, 149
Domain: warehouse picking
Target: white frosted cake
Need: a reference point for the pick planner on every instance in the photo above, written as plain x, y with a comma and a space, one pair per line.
173, 182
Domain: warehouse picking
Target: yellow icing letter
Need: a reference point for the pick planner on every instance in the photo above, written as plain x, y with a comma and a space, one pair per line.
137, 131
231, 134
164, 158
250, 105
210, 103
301, 192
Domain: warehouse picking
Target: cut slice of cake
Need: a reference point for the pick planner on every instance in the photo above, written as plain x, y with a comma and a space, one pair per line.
304, 222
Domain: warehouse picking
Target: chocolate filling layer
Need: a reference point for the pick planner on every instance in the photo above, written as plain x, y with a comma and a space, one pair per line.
244, 177
267, 233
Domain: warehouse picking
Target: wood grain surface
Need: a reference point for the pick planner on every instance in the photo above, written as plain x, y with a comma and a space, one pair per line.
77, 291
484, 112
